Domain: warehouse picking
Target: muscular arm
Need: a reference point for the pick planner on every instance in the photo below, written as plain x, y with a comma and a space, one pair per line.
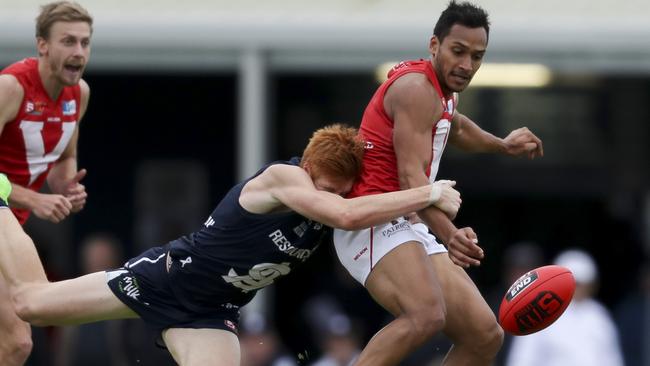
410, 103
467, 135
283, 187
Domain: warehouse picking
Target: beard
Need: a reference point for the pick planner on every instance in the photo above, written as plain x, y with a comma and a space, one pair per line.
444, 78
61, 74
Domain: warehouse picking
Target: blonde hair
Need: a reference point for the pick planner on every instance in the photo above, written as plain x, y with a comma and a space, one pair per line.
60, 11
335, 150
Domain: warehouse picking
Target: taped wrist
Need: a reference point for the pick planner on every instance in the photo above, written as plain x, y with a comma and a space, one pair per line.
434, 194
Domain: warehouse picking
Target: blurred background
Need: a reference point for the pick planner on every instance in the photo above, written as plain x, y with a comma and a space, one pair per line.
190, 97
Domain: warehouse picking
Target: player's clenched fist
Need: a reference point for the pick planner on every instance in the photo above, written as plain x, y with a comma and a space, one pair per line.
523, 142
52, 207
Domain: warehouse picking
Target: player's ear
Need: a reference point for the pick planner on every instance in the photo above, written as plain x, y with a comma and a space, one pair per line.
307, 167
41, 46
433, 45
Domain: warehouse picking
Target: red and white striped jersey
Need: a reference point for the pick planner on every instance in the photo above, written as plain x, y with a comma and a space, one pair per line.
39, 134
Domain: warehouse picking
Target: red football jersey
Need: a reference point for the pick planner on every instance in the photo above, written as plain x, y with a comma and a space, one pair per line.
39, 134
379, 162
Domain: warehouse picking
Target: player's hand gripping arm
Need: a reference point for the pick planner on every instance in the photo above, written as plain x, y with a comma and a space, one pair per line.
468, 136
408, 101
64, 179
282, 187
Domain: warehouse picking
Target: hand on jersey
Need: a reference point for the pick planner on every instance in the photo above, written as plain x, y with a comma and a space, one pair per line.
445, 197
522, 141
75, 192
51, 207
463, 248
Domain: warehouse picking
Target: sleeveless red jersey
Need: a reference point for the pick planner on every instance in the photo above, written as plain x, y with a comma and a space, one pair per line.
39, 134
379, 173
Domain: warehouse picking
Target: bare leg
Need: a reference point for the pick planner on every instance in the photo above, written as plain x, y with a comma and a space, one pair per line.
203, 347
19, 262
405, 284
80, 300
470, 322
15, 334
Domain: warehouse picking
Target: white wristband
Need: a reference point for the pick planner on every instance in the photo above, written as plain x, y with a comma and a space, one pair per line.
435, 193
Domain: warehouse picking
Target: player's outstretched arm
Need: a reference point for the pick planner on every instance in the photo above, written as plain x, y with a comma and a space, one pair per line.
291, 187
467, 135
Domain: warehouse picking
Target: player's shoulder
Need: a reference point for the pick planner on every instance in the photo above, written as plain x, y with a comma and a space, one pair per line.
284, 172
10, 84
414, 79
11, 91
276, 180
412, 85
283, 176
412, 91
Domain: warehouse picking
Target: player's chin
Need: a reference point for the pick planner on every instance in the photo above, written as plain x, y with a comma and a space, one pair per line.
72, 82
71, 77
457, 88
457, 83
67, 80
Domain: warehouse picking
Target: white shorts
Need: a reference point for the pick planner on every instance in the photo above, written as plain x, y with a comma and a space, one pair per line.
360, 251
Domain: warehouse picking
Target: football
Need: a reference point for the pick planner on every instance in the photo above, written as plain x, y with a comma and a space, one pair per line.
536, 299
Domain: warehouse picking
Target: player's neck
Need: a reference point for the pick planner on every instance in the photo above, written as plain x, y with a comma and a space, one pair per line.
52, 86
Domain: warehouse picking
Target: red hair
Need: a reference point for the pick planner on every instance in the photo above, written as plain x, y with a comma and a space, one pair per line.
335, 150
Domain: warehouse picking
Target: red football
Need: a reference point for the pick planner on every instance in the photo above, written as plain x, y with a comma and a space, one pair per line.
536, 300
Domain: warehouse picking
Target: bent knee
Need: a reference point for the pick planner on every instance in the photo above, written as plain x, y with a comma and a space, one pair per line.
22, 347
426, 323
489, 341
18, 345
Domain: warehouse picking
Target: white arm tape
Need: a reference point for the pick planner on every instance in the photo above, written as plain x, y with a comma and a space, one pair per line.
434, 195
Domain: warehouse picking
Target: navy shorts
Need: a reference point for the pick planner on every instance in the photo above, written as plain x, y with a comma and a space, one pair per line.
143, 285
3, 203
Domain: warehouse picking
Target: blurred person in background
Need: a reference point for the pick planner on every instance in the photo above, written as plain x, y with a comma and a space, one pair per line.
42, 101
191, 289
585, 334
337, 336
632, 316
339, 342
407, 124
260, 344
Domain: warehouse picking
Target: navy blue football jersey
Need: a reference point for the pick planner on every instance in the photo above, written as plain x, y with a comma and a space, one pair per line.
237, 252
